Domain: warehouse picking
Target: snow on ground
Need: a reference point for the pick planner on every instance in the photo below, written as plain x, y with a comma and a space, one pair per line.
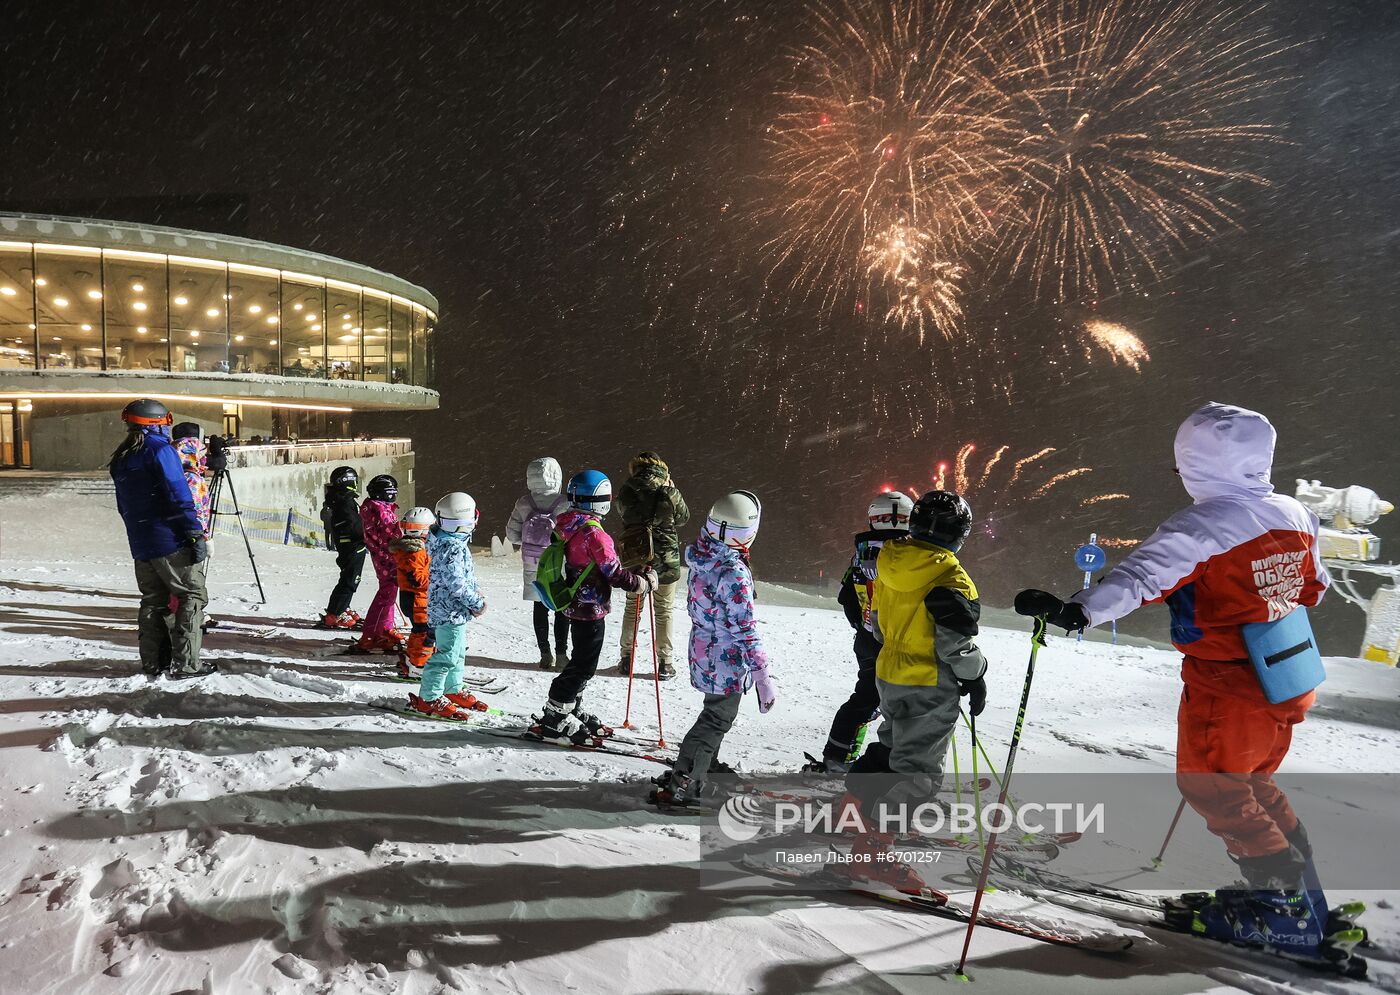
268, 829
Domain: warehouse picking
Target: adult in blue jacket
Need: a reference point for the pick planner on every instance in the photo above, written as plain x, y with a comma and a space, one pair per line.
166, 539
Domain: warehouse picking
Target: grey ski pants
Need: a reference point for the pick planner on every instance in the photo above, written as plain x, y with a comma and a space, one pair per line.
703, 741
165, 642
919, 723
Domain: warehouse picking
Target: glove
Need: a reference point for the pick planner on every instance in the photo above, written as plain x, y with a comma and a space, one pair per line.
767, 693
1068, 615
199, 548
976, 692
649, 581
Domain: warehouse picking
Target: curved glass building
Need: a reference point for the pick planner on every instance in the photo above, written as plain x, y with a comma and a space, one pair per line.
249, 337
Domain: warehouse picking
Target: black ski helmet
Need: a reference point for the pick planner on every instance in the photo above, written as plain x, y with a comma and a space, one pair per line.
383, 488
942, 517
146, 411
187, 430
345, 476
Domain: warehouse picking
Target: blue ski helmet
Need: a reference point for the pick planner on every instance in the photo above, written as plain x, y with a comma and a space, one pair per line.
590, 490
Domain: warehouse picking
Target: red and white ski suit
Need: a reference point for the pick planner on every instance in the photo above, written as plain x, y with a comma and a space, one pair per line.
1241, 553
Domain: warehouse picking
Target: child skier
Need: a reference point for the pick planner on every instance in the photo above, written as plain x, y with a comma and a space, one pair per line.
590, 555
726, 655
1239, 554
530, 527
189, 443
345, 533
412, 561
889, 520
453, 600
381, 527
925, 618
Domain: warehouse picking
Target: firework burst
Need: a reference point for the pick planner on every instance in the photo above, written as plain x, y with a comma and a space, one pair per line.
1000, 490
885, 159
1120, 344
1133, 120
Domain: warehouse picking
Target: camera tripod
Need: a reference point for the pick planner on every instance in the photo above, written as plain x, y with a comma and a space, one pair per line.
216, 489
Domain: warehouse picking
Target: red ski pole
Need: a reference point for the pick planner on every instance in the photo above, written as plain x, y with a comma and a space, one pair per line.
632, 660
655, 671
1157, 860
1037, 641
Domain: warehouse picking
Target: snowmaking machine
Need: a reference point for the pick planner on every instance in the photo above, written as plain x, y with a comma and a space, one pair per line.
1349, 548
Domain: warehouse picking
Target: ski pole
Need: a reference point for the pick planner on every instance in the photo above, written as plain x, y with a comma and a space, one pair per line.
1157, 860
655, 670
957, 781
632, 660
977, 787
1037, 641
977, 743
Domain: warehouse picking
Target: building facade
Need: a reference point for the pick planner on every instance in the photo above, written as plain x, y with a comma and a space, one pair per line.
247, 338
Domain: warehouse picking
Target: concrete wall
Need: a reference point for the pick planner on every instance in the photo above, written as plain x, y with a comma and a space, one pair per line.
300, 487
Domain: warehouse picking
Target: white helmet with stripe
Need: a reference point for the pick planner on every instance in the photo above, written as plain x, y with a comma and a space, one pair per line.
733, 519
417, 520
457, 512
890, 511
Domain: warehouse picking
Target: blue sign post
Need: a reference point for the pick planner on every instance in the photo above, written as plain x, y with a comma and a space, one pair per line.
1090, 558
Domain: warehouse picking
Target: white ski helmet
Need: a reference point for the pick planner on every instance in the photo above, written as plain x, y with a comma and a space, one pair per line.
890, 511
417, 520
733, 519
457, 512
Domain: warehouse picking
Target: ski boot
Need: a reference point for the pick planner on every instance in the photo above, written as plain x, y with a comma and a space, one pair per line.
666, 672
467, 701
357, 621
560, 725
439, 708
591, 722
678, 791
183, 674
624, 666
1282, 922
406, 671
718, 766
345, 620
387, 642
873, 863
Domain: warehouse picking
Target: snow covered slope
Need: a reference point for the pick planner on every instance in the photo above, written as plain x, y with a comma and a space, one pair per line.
268, 829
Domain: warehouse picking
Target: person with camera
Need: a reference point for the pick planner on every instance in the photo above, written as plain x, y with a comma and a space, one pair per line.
167, 542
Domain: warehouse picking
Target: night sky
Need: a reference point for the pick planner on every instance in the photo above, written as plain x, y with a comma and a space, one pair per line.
580, 186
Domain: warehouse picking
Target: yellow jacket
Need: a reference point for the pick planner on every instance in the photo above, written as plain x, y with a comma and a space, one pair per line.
927, 611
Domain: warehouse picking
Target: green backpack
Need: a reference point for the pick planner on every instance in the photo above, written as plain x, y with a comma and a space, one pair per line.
552, 575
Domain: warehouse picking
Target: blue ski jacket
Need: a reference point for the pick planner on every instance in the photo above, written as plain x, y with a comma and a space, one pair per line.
154, 499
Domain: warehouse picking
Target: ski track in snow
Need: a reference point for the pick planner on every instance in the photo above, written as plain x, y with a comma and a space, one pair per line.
270, 829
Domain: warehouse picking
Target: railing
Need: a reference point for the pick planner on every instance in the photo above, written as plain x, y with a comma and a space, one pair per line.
333, 451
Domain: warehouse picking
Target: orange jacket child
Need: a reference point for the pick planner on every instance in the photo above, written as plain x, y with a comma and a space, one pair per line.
411, 559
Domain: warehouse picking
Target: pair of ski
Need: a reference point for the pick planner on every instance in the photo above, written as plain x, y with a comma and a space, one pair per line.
1044, 927
1336, 954
615, 744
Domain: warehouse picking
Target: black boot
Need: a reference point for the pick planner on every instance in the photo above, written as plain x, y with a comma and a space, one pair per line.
1282, 871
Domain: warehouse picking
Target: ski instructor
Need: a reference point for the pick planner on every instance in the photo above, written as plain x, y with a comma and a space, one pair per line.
167, 542
1239, 554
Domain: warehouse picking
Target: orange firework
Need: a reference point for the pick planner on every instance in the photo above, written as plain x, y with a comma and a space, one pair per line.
1133, 121
1122, 345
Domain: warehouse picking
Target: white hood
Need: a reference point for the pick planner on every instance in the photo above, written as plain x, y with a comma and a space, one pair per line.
1222, 450
544, 477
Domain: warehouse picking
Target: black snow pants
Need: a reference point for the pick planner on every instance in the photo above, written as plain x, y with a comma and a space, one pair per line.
351, 563
861, 707
583, 663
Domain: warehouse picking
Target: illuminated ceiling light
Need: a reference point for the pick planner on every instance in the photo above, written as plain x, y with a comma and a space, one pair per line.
165, 340
31, 327
39, 281
238, 338
345, 328
141, 329
139, 305
255, 309
213, 312
296, 306
60, 302
194, 333
311, 316
95, 294
228, 297
87, 328
271, 341
272, 319
347, 338
7, 291
58, 338
316, 328
181, 301
138, 287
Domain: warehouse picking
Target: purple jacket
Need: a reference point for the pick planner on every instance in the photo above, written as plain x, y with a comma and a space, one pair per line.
724, 643
585, 542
